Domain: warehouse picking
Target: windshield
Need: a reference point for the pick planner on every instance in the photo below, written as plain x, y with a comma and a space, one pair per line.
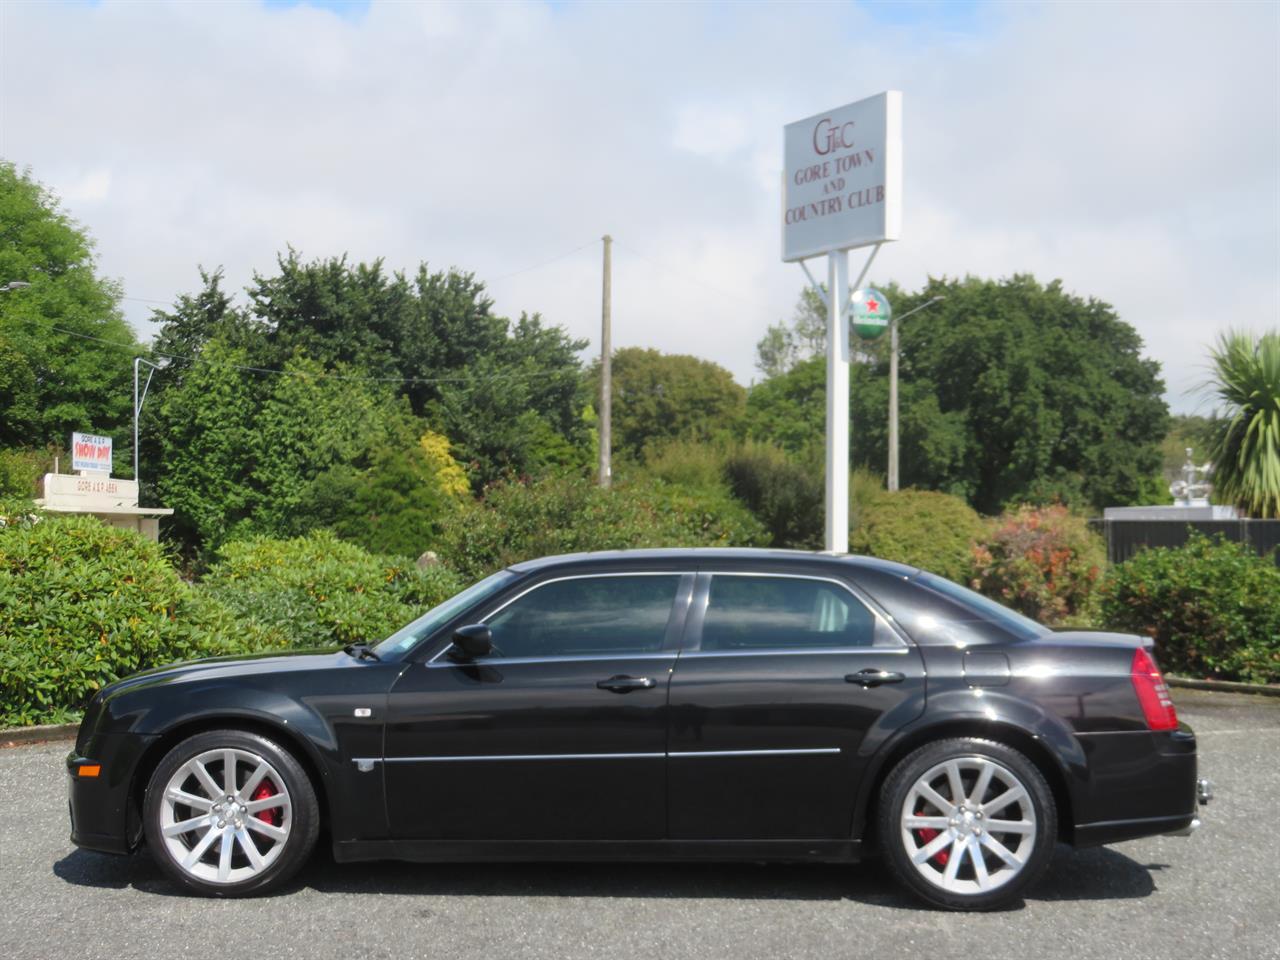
439, 615
1024, 628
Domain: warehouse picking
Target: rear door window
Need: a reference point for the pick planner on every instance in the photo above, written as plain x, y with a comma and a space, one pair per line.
760, 613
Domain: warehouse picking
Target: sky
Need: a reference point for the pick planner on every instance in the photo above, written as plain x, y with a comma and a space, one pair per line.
1131, 150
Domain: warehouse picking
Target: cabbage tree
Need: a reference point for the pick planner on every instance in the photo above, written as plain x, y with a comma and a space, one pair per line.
1246, 449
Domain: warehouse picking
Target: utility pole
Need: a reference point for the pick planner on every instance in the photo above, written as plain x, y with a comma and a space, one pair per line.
606, 367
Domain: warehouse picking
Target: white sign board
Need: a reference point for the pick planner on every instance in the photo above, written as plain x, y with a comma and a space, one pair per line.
90, 452
842, 186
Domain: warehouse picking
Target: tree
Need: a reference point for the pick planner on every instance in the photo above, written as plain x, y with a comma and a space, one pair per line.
783, 346
249, 453
507, 394
1246, 449
1048, 384
65, 349
658, 397
1010, 391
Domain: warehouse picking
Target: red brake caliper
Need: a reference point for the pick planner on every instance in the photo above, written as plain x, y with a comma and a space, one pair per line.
925, 835
272, 814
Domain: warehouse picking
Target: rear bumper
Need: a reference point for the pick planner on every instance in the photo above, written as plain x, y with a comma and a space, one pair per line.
1140, 784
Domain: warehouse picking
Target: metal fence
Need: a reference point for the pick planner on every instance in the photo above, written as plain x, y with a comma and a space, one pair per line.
1126, 537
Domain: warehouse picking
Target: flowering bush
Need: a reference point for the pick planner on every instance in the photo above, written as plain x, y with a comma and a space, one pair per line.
1042, 561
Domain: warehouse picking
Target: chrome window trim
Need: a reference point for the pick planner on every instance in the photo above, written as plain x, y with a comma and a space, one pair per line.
576, 576
902, 645
677, 754
561, 658
789, 651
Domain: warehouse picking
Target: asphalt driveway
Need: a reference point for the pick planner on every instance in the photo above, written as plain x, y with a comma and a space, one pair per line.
1216, 894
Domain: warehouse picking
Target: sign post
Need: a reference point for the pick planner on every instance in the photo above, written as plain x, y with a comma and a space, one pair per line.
842, 189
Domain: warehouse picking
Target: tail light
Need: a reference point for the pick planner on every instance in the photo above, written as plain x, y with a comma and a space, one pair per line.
1153, 693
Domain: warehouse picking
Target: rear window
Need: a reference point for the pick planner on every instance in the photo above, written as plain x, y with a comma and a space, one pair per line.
1024, 628
935, 611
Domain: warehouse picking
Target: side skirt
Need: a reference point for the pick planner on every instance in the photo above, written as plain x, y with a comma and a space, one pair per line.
444, 851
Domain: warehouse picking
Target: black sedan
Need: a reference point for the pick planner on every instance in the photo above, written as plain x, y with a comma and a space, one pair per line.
673, 704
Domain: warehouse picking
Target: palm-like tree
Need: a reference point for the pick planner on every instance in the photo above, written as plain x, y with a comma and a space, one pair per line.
1246, 450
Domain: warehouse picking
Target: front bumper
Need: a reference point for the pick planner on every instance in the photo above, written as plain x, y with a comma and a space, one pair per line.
101, 807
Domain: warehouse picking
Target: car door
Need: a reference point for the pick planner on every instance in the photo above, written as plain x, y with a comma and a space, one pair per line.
786, 685
560, 734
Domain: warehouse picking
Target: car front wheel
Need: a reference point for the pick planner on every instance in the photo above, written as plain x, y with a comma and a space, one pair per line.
229, 813
967, 824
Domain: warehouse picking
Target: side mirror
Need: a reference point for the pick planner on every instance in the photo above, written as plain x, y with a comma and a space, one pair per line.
471, 642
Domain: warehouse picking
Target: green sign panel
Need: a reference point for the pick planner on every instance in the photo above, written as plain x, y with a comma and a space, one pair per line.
870, 313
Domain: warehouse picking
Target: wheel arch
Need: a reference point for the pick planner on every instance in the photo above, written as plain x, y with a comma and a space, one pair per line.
290, 740
1033, 747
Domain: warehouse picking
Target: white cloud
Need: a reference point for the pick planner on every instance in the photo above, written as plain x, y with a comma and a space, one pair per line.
1132, 150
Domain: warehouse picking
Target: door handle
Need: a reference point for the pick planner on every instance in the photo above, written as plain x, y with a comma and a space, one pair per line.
622, 684
871, 677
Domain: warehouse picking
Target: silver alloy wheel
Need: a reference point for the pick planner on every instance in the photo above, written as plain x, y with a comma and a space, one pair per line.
213, 828
968, 825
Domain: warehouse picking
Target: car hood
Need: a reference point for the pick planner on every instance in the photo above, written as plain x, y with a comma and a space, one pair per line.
233, 666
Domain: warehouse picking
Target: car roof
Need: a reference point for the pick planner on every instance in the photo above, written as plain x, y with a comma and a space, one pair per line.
705, 555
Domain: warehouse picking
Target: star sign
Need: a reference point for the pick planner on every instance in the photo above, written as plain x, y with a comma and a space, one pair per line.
872, 306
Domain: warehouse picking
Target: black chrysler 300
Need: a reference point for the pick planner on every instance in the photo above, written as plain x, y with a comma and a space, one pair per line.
682, 704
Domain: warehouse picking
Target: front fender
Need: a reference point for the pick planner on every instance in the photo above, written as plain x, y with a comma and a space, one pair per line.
313, 712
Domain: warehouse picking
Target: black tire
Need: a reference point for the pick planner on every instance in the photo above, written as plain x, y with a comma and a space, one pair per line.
302, 813
964, 824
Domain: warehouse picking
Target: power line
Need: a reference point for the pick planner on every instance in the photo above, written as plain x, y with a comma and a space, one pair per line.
319, 376
545, 263
685, 274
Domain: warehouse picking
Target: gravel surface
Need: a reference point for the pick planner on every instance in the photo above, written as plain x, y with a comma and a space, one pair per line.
1212, 895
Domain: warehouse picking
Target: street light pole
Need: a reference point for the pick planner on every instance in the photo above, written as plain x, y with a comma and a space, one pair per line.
893, 390
606, 367
138, 401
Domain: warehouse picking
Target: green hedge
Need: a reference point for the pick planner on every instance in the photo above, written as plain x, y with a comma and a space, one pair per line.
82, 604
1213, 608
933, 531
317, 590
785, 493
520, 521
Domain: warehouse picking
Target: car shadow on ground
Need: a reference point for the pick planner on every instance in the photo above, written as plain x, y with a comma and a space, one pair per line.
1093, 874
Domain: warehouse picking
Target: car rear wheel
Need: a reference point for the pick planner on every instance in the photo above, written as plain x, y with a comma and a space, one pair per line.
229, 813
967, 824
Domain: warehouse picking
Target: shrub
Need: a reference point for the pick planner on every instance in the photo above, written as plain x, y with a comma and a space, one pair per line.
1042, 561
563, 514
687, 463
396, 506
317, 590
20, 471
82, 604
934, 531
786, 494
1213, 608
